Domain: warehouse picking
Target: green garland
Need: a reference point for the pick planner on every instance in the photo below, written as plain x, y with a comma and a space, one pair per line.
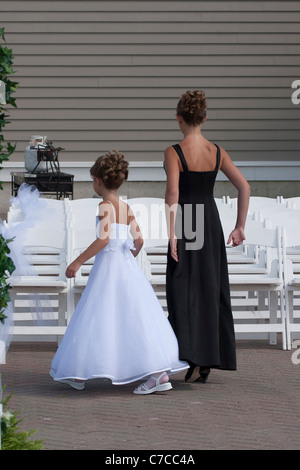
6, 69
12, 438
6, 149
7, 267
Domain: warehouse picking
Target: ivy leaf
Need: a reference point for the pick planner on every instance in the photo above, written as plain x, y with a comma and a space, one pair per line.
7, 266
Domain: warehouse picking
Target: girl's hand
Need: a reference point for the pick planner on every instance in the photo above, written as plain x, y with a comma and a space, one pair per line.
237, 237
72, 269
173, 246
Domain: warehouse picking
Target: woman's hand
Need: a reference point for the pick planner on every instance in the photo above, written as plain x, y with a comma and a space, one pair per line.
173, 246
72, 269
237, 237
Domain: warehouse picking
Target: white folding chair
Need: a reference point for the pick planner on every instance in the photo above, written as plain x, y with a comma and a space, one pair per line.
263, 320
51, 214
82, 212
292, 202
151, 217
45, 250
256, 202
291, 238
287, 218
78, 241
238, 257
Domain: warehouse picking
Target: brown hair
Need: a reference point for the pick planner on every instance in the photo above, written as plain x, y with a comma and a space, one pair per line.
111, 168
192, 107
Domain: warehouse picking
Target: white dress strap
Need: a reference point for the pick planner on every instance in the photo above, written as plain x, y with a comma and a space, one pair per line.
113, 209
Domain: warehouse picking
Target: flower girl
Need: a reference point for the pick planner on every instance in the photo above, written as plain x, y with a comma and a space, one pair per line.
119, 329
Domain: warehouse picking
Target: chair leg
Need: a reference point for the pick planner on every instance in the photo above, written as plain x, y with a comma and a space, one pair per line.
283, 322
262, 295
273, 305
62, 308
289, 316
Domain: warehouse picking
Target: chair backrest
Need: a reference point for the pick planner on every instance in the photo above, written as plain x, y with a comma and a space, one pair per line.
228, 220
80, 239
14, 216
45, 238
291, 232
262, 236
292, 202
290, 238
82, 212
268, 240
55, 203
52, 214
256, 202
89, 202
53, 210
221, 200
151, 217
41, 251
284, 217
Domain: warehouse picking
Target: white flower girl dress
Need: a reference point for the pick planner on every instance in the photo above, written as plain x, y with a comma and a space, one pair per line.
118, 330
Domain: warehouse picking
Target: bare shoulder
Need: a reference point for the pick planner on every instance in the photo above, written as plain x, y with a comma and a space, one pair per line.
224, 158
169, 152
104, 209
171, 159
104, 204
128, 211
227, 166
231, 171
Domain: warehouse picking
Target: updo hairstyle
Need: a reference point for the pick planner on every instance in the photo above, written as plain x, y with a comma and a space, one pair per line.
192, 107
111, 168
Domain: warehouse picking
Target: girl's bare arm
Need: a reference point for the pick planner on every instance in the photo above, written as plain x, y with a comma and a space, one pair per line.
136, 234
97, 245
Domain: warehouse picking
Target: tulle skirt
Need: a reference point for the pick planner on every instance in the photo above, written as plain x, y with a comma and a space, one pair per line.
118, 330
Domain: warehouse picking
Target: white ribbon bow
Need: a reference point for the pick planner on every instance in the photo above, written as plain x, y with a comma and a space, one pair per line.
127, 246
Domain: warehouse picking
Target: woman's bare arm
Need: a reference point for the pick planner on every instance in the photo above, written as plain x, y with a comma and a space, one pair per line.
171, 197
244, 190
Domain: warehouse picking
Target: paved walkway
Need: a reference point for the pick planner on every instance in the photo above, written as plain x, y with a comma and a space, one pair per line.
257, 407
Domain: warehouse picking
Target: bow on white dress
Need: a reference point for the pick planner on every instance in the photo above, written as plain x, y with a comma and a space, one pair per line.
120, 245
127, 246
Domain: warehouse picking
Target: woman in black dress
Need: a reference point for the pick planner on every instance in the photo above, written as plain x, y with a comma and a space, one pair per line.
197, 285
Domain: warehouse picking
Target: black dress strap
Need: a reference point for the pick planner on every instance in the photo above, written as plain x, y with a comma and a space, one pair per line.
181, 156
218, 158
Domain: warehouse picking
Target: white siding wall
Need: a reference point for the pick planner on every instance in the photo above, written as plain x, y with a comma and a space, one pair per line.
97, 75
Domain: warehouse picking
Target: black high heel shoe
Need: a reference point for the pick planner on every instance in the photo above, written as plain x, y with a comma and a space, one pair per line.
204, 373
190, 372
197, 374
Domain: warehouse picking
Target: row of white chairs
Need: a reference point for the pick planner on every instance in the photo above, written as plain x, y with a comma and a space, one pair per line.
262, 272
259, 202
257, 267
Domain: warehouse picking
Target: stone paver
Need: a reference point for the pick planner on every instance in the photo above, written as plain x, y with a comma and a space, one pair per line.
256, 407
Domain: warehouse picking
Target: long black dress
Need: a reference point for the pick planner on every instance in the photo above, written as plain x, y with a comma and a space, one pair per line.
197, 286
